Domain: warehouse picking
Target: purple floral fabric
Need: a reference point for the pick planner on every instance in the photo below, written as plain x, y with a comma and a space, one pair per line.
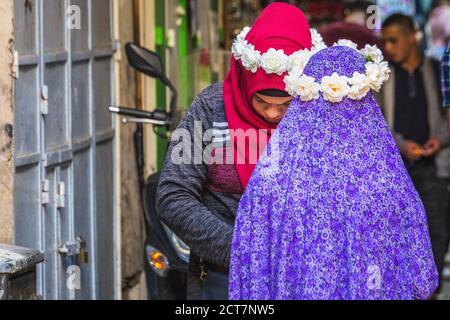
330, 211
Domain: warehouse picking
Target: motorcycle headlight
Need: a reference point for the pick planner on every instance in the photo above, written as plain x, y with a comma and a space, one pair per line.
158, 261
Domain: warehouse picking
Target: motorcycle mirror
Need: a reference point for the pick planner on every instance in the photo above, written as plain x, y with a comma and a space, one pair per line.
145, 61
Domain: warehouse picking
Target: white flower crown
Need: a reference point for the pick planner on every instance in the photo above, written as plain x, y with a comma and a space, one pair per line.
334, 88
272, 61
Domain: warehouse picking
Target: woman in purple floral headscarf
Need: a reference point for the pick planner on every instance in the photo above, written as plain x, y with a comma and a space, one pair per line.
330, 211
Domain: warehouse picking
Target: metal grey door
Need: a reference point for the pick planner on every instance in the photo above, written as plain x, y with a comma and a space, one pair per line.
64, 176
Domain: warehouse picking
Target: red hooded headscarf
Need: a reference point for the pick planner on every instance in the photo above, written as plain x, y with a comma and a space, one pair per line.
280, 26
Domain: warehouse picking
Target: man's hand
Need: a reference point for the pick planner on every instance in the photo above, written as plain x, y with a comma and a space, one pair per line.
431, 148
412, 151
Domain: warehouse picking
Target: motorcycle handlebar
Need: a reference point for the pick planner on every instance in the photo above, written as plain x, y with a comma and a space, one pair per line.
139, 114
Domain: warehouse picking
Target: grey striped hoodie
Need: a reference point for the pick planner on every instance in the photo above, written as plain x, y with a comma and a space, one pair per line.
198, 201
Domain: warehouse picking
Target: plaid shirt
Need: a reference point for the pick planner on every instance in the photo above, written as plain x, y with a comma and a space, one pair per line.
445, 76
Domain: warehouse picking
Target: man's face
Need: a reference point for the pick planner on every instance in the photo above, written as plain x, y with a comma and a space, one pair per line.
271, 109
398, 42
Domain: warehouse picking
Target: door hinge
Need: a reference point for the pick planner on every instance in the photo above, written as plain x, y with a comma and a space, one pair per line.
181, 14
61, 196
44, 100
45, 192
15, 71
171, 38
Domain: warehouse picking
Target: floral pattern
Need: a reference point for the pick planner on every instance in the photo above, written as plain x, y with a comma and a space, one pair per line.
330, 211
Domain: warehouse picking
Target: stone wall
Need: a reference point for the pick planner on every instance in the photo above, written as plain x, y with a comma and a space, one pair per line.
6, 121
132, 224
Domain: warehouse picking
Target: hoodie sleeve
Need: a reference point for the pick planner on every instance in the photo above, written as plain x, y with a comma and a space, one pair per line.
180, 190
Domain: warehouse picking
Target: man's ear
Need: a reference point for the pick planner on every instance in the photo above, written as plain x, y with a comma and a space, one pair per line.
418, 35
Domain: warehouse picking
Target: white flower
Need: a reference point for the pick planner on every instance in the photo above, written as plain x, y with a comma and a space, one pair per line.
317, 40
307, 88
359, 86
347, 43
238, 49
334, 87
243, 34
372, 53
244, 51
303, 86
251, 58
378, 73
274, 61
292, 82
318, 47
298, 61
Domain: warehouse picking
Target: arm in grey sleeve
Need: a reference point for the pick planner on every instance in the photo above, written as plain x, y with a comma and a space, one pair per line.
179, 195
442, 129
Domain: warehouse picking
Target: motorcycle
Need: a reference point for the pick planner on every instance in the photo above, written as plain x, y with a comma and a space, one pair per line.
166, 256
